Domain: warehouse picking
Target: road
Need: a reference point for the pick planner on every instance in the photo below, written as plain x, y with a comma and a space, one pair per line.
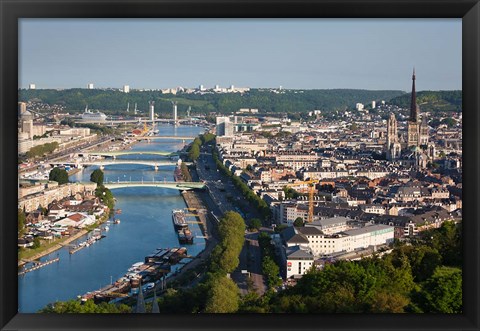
223, 196
250, 267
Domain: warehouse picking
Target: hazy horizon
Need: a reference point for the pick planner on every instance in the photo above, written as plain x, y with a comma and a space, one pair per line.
367, 54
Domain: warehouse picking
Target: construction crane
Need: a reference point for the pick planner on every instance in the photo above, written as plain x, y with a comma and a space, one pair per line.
311, 189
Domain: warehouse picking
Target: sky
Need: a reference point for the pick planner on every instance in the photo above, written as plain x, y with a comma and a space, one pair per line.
372, 54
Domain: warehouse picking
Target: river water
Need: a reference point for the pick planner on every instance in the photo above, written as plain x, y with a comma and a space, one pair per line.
146, 224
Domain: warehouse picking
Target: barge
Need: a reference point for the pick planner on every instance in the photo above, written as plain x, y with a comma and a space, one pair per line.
179, 220
185, 236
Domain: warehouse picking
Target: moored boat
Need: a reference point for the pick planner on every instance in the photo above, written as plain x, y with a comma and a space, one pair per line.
179, 221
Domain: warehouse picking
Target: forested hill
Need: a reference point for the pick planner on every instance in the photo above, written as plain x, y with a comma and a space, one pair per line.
265, 100
432, 100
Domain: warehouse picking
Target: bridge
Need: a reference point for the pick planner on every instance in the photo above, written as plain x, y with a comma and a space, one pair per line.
181, 186
118, 153
103, 163
162, 137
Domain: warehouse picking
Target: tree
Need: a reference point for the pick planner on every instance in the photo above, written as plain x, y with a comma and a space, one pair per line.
255, 224
290, 193
36, 243
253, 303
207, 137
224, 296
387, 302
231, 230
194, 152
354, 127
424, 260
97, 177
450, 122
442, 292
76, 306
21, 222
58, 175
299, 222
279, 228
271, 271
105, 196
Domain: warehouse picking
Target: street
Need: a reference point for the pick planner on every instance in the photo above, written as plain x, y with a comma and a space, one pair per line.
222, 196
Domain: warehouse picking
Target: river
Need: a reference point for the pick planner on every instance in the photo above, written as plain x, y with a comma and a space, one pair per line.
146, 224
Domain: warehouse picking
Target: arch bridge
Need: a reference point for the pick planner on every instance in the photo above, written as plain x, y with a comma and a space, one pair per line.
103, 163
114, 154
181, 186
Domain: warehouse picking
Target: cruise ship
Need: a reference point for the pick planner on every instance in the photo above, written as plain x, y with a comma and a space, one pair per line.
90, 116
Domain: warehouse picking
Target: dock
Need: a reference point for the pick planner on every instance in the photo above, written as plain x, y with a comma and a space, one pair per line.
38, 265
90, 241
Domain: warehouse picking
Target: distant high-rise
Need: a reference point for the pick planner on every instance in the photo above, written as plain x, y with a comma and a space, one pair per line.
90, 86
126, 88
31, 86
151, 109
374, 104
224, 126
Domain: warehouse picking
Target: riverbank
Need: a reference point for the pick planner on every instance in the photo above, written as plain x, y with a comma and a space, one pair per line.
58, 244
206, 223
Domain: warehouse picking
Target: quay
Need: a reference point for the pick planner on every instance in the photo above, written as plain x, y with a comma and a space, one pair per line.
155, 267
38, 265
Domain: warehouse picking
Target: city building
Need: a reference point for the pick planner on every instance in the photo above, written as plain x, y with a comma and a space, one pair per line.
22, 107
224, 126
31, 87
322, 244
126, 88
48, 195
298, 261
90, 86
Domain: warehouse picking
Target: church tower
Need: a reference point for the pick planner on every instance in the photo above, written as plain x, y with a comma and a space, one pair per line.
423, 130
393, 147
413, 125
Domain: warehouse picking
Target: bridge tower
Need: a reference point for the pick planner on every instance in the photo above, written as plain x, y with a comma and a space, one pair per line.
175, 119
151, 109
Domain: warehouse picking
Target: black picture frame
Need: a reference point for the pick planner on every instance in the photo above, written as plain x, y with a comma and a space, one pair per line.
12, 10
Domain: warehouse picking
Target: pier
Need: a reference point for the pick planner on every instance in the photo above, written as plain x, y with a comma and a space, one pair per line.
38, 265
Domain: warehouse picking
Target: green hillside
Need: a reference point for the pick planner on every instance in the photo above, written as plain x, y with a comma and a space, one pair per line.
432, 101
288, 101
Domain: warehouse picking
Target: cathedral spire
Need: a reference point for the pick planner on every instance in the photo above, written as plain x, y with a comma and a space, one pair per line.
413, 105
